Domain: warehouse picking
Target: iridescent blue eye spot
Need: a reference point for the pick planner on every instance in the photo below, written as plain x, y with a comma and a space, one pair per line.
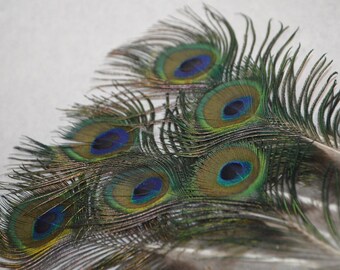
109, 141
147, 190
234, 172
236, 108
192, 66
48, 223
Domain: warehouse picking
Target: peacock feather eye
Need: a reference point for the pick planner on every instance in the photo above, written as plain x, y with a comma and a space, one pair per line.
234, 172
236, 108
230, 171
38, 225
147, 190
229, 105
137, 190
48, 223
187, 63
99, 139
109, 141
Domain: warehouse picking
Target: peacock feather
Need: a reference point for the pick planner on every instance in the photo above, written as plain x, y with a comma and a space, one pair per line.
198, 151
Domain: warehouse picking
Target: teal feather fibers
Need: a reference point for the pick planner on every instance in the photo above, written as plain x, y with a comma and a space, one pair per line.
238, 168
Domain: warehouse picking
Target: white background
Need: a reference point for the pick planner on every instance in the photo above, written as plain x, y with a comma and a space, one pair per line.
49, 50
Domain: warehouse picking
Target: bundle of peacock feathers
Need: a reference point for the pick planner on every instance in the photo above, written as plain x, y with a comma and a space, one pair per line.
197, 151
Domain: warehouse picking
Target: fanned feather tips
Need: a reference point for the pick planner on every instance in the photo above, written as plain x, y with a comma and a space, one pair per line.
198, 150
